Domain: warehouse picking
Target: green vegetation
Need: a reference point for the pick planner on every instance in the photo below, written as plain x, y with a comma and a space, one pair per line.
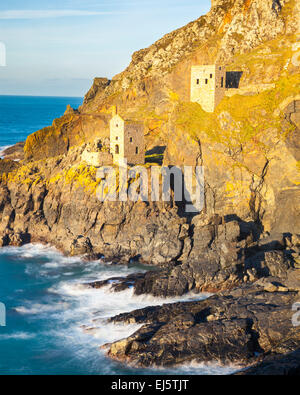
255, 114
240, 124
26, 174
82, 176
274, 53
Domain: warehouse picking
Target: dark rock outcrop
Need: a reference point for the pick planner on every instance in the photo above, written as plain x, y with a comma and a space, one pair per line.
98, 86
81, 246
242, 326
214, 271
279, 365
7, 166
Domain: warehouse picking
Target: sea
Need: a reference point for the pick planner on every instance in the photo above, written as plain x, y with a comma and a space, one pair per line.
55, 324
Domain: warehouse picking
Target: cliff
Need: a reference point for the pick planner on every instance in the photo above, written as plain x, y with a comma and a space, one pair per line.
250, 151
252, 136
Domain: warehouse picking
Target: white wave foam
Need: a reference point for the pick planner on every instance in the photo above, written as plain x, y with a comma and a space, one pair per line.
36, 250
29, 250
207, 368
17, 336
81, 317
36, 308
95, 306
2, 149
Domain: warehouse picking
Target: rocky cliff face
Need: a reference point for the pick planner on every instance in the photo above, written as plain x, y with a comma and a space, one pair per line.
250, 151
248, 146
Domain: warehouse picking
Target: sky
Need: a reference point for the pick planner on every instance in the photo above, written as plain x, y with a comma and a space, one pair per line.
56, 48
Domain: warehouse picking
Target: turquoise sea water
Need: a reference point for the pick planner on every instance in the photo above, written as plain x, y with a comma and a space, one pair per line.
23, 115
55, 325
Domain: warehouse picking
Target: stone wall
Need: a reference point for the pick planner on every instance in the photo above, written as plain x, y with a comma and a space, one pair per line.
208, 86
220, 84
117, 147
127, 141
97, 159
134, 143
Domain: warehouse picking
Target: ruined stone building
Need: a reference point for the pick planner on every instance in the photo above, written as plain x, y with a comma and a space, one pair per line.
97, 154
127, 141
208, 84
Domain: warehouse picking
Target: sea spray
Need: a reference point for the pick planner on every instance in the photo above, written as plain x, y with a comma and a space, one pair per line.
56, 324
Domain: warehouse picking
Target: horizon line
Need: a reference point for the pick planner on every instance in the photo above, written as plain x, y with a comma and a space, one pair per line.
43, 14
75, 97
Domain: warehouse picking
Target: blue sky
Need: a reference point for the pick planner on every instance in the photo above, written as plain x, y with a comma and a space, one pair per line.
57, 47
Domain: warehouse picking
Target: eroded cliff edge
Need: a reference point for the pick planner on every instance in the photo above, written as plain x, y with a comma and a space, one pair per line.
249, 148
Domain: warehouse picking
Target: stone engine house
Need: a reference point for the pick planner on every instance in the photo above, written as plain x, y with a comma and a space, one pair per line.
127, 141
208, 84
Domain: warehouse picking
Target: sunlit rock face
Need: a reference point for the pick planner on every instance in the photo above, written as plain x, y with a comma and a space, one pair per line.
249, 146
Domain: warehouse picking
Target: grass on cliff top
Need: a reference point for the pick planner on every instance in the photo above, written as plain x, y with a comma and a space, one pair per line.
238, 119
274, 52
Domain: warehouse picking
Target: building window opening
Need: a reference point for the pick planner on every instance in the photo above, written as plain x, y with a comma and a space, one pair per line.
222, 82
117, 138
211, 76
117, 149
137, 150
206, 81
198, 81
131, 139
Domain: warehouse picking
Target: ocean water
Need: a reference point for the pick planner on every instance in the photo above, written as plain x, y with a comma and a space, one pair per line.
54, 324
23, 115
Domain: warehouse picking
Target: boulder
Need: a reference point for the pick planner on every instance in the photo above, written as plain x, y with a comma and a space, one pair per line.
81, 245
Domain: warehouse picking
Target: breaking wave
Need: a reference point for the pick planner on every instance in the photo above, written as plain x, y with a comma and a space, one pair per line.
2, 149
73, 318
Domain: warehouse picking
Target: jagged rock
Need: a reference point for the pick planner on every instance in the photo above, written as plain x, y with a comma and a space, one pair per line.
234, 166
295, 240
4, 241
7, 166
81, 245
250, 151
293, 280
240, 326
277, 263
215, 270
17, 239
99, 85
278, 365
